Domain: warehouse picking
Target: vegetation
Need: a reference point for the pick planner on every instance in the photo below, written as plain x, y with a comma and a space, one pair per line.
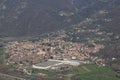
1, 56
10, 65
84, 72
104, 0
46, 72
94, 72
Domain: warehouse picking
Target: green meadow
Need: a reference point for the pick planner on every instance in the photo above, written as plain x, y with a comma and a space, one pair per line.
94, 72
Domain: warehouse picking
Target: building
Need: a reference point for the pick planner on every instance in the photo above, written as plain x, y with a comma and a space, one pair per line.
52, 64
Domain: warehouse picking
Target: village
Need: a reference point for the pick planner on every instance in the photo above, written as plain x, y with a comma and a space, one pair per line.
50, 53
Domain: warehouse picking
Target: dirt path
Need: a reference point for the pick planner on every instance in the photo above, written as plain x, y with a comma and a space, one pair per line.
85, 68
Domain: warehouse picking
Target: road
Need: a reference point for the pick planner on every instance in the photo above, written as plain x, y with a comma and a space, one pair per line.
12, 77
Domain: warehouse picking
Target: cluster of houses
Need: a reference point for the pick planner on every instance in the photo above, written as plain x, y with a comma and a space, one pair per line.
28, 53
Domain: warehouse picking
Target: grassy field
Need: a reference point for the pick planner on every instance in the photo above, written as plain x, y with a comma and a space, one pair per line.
94, 72
1, 56
46, 72
86, 72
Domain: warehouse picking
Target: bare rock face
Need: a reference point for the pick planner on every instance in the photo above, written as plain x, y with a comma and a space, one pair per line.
34, 17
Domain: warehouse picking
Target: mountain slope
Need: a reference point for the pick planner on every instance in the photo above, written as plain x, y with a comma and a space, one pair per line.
34, 17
